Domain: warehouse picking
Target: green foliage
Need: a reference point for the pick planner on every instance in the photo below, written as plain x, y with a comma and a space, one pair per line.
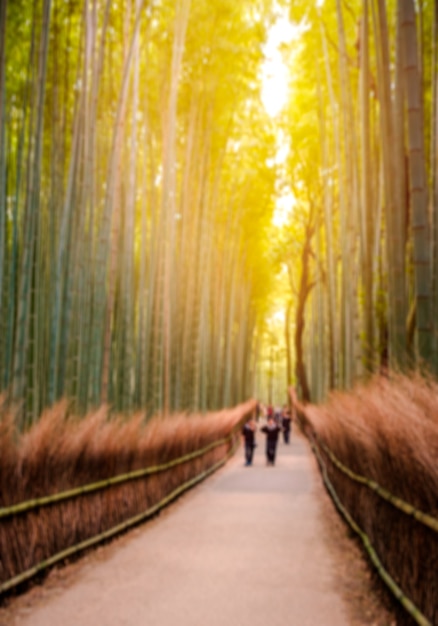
89, 309
352, 142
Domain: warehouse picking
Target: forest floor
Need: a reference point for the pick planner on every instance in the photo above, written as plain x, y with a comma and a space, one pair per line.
251, 546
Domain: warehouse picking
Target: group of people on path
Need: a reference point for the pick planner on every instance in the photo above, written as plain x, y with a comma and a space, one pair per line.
278, 420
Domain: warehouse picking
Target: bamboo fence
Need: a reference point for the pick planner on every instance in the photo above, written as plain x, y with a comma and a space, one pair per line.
205, 455
319, 447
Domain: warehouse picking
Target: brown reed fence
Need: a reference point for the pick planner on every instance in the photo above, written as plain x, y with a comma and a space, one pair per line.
377, 448
70, 484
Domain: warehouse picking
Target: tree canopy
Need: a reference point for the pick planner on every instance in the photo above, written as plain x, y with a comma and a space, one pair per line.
141, 178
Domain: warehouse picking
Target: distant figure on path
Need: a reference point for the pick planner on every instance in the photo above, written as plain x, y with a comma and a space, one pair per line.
271, 431
248, 432
286, 422
258, 411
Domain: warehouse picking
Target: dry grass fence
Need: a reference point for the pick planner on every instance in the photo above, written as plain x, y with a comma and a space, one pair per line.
60, 454
387, 432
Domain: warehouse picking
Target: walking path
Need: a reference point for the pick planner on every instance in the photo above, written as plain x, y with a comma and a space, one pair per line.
246, 548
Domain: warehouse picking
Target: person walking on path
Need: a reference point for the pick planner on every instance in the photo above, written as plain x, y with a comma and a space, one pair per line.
271, 431
248, 432
286, 422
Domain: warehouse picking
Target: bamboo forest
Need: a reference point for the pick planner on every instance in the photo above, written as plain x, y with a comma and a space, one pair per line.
200, 202
216, 212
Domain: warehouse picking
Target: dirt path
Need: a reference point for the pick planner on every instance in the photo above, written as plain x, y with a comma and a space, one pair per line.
249, 547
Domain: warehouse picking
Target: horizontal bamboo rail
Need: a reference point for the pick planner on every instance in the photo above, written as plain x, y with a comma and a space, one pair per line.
398, 503
34, 503
408, 605
92, 541
428, 520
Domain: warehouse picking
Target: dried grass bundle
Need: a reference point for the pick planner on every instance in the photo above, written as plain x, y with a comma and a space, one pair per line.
388, 431
61, 452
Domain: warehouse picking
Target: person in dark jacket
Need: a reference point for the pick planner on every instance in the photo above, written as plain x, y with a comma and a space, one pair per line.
286, 422
248, 432
271, 430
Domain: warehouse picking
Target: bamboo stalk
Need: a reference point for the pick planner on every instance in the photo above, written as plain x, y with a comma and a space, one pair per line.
418, 180
32, 207
3, 193
434, 176
366, 180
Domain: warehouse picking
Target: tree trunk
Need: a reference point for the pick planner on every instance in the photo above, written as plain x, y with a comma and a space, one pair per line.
304, 290
418, 180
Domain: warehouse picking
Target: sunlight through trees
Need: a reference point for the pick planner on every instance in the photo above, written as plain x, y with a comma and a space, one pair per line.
175, 174
135, 193
362, 131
